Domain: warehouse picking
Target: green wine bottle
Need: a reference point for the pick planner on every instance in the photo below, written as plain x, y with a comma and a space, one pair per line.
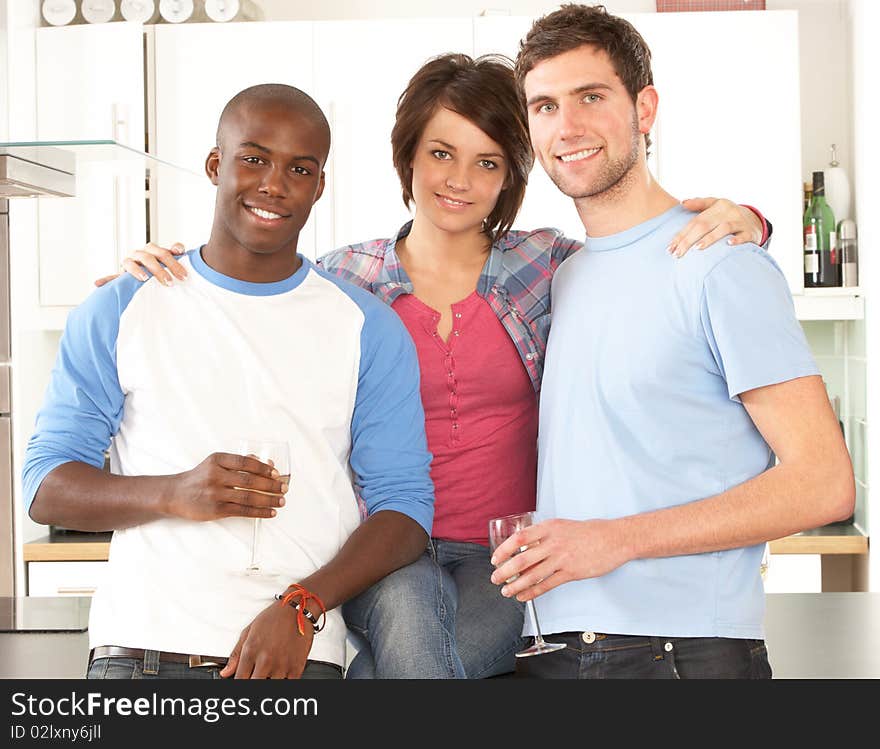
821, 263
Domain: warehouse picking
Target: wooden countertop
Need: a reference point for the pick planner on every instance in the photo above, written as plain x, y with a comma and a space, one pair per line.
94, 547
829, 539
69, 547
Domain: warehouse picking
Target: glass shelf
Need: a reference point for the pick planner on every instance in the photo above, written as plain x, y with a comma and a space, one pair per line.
59, 152
52, 169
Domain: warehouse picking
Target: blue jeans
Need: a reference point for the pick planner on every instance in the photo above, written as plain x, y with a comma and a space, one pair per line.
633, 657
133, 668
437, 618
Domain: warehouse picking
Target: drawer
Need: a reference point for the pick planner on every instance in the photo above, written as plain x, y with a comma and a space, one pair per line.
64, 578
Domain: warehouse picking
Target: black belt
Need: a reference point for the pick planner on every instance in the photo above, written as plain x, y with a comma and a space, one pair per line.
193, 661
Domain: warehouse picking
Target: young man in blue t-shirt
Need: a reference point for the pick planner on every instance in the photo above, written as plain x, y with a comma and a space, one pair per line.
671, 387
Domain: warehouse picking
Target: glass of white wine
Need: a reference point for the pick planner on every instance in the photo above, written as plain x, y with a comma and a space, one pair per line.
500, 529
277, 454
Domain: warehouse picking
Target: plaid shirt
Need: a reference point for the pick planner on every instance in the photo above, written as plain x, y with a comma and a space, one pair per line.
515, 282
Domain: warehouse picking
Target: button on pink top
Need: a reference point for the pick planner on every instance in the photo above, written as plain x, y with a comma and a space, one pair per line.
481, 417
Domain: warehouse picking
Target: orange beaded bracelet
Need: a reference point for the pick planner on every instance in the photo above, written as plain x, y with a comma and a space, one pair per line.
302, 613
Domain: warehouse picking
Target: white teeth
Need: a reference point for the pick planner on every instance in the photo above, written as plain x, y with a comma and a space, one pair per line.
451, 201
579, 155
265, 214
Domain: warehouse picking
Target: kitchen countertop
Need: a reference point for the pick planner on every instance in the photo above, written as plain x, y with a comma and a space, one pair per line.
71, 546
823, 635
829, 539
44, 638
809, 636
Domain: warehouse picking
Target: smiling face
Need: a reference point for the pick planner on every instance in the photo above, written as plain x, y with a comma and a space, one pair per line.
458, 173
586, 130
268, 169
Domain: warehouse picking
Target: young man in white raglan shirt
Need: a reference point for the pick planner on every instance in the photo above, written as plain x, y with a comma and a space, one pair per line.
258, 339
670, 387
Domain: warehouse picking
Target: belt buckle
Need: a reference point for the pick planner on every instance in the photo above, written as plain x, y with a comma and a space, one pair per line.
195, 661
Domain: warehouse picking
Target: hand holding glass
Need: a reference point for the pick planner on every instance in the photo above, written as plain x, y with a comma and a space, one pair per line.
276, 454
500, 529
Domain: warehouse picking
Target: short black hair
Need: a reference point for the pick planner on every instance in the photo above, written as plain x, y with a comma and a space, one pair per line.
276, 93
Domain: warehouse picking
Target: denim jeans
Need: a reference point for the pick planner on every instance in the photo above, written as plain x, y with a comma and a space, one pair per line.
133, 668
634, 657
437, 618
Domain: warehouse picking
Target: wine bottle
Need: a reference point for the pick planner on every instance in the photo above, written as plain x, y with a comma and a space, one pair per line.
808, 195
821, 264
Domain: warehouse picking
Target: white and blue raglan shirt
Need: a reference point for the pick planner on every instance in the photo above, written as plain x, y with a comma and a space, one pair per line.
167, 376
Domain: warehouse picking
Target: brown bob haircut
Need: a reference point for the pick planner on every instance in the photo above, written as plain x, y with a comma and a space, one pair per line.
482, 90
574, 26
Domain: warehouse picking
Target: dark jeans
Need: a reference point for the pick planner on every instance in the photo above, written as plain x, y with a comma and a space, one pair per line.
634, 657
133, 668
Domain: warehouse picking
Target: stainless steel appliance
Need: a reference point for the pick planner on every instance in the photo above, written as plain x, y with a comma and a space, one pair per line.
26, 171
7, 552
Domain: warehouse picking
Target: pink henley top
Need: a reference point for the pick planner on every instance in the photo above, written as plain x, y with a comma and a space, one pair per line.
481, 417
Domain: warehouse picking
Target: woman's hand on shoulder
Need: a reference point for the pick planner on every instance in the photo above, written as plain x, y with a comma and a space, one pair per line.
718, 217
159, 261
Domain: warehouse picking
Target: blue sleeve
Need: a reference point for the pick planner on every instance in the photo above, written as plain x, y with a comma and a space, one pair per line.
83, 404
389, 452
748, 317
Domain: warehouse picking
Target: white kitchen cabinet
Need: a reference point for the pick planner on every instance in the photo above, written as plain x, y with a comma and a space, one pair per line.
89, 88
361, 68
729, 116
543, 204
90, 83
198, 68
713, 97
65, 578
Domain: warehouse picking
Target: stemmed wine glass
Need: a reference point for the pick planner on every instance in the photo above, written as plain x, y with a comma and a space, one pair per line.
276, 454
501, 529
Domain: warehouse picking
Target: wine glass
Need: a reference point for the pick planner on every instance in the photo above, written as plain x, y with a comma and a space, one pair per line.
277, 454
501, 529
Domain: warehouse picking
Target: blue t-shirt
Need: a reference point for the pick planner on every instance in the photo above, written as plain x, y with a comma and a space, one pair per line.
640, 411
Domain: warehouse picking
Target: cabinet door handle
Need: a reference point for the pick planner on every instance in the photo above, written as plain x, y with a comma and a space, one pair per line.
76, 591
